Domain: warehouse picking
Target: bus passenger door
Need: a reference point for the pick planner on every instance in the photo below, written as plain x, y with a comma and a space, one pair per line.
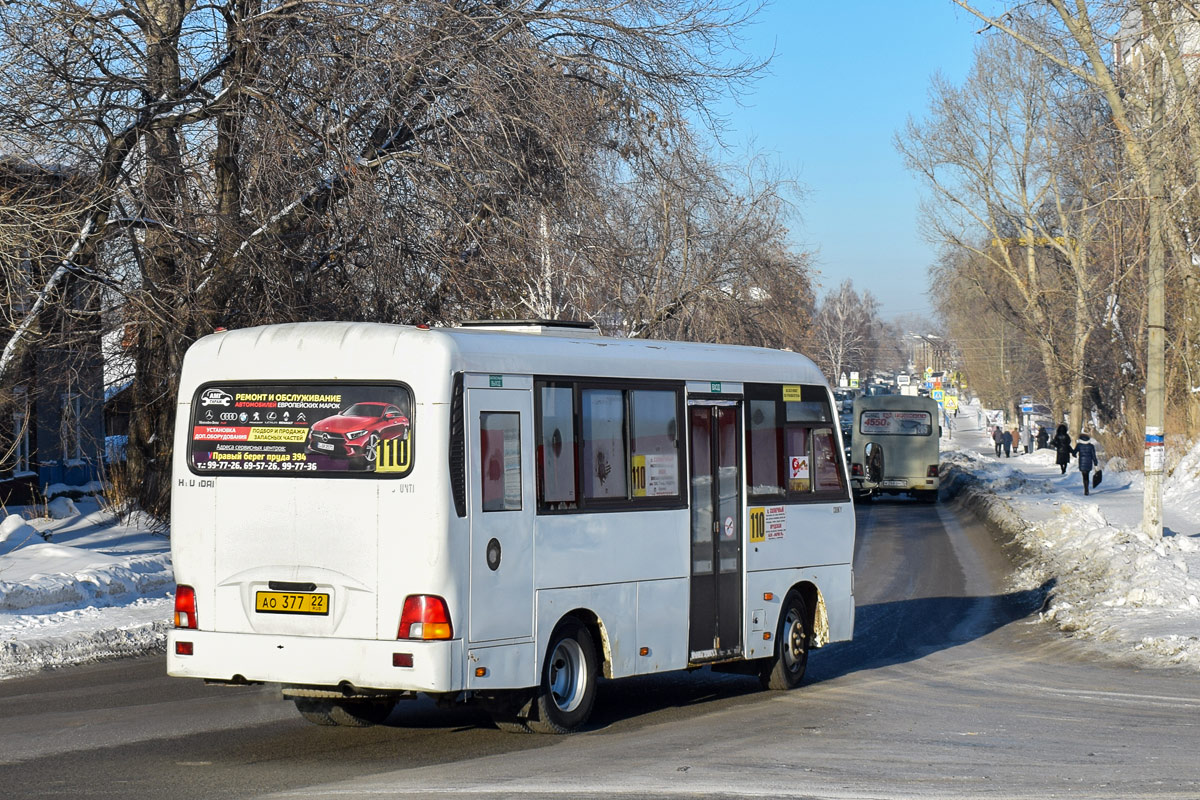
715, 628
501, 503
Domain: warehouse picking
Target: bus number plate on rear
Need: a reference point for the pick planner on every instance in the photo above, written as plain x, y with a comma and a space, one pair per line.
900, 484
291, 603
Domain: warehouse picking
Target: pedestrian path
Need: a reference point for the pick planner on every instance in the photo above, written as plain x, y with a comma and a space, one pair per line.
1125, 592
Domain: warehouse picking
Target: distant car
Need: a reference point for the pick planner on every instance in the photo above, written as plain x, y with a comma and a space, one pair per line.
357, 431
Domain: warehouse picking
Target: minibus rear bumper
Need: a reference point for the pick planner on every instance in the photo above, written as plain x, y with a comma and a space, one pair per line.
317, 660
896, 485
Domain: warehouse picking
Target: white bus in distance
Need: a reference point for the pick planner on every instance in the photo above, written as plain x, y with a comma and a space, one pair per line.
501, 514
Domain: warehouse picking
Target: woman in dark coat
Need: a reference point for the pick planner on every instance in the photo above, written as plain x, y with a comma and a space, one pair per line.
1062, 443
1043, 437
1087, 459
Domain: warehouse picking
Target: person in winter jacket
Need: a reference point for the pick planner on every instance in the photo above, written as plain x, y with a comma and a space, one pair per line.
1043, 437
1007, 440
998, 438
1086, 452
1062, 443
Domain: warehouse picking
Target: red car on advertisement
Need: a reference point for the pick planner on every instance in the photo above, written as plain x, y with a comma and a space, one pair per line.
357, 431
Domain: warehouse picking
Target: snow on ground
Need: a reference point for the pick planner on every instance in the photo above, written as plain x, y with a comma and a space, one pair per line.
77, 585
1114, 587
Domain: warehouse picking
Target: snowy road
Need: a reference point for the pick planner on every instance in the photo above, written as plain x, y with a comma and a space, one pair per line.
948, 691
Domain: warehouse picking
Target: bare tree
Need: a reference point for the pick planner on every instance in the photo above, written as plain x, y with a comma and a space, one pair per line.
1007, 159
687, 247
1150, 37
255, 161
844, 330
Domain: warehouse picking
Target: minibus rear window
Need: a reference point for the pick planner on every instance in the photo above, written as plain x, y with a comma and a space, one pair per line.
302, 429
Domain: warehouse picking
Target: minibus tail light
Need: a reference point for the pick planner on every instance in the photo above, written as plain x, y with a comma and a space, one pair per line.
185, 606
856, 470
932, 472
425, 616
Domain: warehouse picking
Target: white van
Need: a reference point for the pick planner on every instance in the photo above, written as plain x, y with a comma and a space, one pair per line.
500, 513
894, 447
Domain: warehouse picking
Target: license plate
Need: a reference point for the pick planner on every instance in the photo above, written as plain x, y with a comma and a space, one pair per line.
900, 484
291, 603
324, 446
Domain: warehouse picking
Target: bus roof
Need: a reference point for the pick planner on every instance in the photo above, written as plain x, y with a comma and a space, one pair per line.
351, 349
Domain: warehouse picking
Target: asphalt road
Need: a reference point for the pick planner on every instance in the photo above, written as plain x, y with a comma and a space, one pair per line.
950, 689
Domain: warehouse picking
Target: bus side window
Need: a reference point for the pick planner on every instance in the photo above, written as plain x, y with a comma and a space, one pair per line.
827, 469
654, 442
500, 460
604, 466
790, 445
556, 444
763, 445
799, 456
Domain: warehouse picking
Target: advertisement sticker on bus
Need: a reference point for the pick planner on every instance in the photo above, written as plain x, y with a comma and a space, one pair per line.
306, 429
799, 469
655, 475
902, 423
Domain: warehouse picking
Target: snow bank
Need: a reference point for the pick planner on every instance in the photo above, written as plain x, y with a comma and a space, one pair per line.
99, 589
1114, 587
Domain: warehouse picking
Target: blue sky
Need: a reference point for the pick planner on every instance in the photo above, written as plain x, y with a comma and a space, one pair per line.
845, 77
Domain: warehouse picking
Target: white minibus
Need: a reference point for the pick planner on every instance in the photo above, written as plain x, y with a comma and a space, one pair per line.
894, 447
500, 513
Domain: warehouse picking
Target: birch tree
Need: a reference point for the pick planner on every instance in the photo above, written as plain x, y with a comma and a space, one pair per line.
844, 331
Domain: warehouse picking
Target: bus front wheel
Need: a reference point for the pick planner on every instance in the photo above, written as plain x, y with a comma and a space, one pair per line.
785, 669
564, 698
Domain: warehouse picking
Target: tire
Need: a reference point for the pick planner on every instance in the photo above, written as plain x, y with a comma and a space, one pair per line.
567, 691
314, 710
361, 713
511, 724
785, 670
927, 496
344, 713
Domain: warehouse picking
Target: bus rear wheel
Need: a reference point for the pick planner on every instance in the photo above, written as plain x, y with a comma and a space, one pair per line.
346, 713
567, 691
786, 668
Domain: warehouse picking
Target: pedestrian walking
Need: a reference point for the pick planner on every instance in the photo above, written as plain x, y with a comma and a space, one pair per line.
1028, 439
1085, 451
1062, 444
1007, 440
1043, 438
997, 439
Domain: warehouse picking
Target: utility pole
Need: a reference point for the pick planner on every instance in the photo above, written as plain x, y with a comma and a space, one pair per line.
1155, 320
